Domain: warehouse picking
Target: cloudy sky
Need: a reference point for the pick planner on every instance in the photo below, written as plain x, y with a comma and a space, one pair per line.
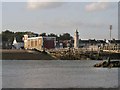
92, 19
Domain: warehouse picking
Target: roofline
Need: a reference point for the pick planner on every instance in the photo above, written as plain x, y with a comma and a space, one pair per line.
40, 37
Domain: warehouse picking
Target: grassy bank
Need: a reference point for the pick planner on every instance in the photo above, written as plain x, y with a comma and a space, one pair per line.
24, 55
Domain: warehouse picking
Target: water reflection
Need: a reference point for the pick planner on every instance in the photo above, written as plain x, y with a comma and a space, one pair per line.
57, 74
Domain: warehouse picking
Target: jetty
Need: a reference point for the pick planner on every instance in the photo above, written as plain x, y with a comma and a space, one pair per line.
81, 54
108, 63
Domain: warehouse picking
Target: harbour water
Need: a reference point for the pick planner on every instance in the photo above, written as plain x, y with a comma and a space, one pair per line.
57, 74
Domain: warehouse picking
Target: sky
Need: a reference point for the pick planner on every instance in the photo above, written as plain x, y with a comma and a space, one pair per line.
91, 19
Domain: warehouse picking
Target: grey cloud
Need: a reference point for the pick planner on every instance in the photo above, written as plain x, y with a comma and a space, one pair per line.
43, 5
100, 6
70, 24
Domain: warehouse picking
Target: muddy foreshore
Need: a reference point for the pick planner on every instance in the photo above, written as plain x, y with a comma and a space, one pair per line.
9, 54
24, 55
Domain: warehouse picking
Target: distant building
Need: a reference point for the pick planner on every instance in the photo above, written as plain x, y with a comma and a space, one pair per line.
112, 45
91, 44
17, 45
45, 42
39, 42
76, 39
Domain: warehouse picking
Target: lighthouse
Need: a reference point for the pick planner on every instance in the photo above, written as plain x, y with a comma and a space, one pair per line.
76, 39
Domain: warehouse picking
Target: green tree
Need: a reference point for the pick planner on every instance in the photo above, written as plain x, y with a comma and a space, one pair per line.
53, 35
43, 34
7, 36
19, 36
65, 36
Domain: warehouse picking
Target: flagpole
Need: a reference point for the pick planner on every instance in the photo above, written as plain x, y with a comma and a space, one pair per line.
110, 32
110, 44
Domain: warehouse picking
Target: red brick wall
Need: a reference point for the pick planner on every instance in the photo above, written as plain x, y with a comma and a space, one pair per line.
49, 44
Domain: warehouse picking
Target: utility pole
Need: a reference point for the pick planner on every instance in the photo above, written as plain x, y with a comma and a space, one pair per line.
110, 32
110, 37
110, 44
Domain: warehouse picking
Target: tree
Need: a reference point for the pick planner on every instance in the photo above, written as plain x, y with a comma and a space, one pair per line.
19, 36
43, 34
7, 36
65, 36
53, 35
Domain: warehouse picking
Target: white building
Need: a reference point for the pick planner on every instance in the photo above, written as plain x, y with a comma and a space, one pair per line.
39, 42
17, 45
76, 39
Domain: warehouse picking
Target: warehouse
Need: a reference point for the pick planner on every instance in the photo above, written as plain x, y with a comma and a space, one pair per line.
39, 42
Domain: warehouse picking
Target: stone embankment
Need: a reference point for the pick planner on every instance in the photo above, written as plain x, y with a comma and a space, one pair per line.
57, 54
80, 54
109, 64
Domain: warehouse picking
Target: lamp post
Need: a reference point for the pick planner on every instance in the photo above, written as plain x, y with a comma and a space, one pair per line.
110, 44
110, 37
110, 32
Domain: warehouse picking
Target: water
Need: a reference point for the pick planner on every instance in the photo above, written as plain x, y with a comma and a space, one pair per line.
56, 74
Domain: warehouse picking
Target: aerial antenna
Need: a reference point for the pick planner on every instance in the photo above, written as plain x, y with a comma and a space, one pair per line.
110, 32
110, 45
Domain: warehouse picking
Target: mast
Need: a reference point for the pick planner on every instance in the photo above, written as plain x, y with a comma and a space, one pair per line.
110, 32
110, 44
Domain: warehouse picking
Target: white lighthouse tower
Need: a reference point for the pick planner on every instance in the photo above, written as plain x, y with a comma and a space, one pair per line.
76, 39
